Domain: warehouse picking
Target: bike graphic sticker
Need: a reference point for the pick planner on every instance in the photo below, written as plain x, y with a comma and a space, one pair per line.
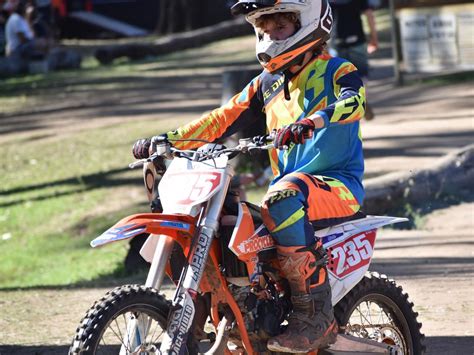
351, 254
189, 188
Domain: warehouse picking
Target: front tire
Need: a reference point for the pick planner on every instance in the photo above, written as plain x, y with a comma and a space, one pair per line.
103, 329
377, 309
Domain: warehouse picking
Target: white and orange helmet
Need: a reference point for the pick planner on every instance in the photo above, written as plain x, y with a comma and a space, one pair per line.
315, 19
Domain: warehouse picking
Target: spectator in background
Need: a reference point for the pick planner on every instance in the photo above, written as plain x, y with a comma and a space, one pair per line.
41, 29
348, 37
44, 11
20, 39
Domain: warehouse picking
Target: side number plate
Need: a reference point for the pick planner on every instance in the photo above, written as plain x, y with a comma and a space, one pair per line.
351, 254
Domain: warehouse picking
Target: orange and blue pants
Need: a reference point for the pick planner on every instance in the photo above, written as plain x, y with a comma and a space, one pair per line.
299, 202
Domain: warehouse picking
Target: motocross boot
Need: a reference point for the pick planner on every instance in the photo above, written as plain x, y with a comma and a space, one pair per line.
311, 325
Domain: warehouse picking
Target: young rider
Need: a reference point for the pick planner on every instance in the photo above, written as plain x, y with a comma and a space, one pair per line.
314, 101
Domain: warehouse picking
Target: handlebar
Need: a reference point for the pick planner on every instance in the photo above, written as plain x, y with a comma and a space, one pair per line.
164, 149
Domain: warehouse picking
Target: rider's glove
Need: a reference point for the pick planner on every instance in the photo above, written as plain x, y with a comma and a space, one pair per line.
294, 133
141, 148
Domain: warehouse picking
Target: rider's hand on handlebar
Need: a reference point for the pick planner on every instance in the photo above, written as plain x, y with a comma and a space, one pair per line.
144, 148
263, 140
294, 133
141, 148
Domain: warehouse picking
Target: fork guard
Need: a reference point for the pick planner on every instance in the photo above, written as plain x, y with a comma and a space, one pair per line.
179, 227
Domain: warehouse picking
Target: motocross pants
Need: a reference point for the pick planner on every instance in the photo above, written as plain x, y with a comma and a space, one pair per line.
299, 202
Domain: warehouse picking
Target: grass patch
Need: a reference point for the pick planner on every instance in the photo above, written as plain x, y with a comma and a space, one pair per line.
59, 191
57, 195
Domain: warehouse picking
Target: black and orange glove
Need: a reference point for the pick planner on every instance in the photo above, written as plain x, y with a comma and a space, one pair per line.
294, 133
141, 148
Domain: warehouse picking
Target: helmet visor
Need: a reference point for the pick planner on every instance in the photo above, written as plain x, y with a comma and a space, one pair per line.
243, 7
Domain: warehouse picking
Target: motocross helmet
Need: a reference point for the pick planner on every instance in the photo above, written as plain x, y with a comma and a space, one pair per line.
315, 20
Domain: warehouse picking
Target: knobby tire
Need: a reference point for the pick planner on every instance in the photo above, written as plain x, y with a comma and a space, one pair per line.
119, 300
390, 297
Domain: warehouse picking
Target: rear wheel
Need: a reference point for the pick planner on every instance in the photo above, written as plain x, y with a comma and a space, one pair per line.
377, 309
103, 330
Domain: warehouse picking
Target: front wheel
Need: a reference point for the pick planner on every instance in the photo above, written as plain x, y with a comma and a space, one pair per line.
377, 309
104, 328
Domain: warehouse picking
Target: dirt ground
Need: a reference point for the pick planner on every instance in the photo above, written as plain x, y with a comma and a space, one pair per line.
434, 266
413, 127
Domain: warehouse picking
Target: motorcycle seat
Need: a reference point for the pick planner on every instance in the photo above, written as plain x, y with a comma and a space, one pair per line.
330, 222
231, 207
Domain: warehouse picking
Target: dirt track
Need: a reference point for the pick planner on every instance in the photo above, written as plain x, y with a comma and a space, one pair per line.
434, 266
414, 126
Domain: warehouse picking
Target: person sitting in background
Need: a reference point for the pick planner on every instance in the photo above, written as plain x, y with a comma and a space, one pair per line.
41, 30
20, 39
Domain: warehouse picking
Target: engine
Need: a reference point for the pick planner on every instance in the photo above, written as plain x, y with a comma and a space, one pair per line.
263, 314
264, 303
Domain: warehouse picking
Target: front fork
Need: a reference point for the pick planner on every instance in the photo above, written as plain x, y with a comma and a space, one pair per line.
182, 310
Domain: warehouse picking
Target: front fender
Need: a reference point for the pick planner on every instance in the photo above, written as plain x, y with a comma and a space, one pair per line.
173, 225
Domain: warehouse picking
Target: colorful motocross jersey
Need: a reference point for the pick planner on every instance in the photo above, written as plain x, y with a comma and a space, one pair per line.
328, 86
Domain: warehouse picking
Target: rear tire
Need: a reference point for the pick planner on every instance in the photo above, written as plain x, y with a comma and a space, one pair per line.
110, 310
377, 291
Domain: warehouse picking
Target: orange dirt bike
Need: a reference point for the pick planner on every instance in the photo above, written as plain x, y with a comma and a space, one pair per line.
223, 262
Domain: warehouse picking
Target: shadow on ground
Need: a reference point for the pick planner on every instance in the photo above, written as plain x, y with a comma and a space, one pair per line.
83, 183
141, 96
425, 267
449, 345
415, 145
116, 278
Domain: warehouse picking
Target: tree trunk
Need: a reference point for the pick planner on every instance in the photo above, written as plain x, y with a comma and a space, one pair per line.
187, 11
161, 24
172, 16
451, 175
175, 42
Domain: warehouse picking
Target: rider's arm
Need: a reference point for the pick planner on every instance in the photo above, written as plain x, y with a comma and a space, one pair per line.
242, 110
350, 104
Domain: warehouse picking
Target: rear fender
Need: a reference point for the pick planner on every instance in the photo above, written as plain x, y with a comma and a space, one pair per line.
175, 226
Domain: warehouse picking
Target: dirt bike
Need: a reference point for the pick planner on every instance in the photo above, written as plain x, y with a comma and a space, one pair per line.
223, 263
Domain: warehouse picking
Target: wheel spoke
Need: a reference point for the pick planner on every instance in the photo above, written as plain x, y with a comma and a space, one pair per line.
362, 316
128, 346
103, 341
384, 329
152, 339
120, 338
369, 313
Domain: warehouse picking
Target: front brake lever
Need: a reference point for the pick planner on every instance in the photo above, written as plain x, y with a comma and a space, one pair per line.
137, 163
141, 162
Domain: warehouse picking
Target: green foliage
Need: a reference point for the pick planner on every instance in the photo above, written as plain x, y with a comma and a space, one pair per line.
414, 215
